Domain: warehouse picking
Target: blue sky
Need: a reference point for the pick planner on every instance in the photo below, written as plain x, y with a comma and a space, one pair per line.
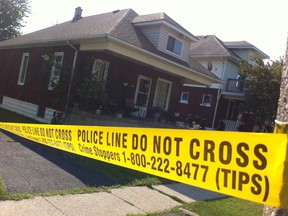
263, 23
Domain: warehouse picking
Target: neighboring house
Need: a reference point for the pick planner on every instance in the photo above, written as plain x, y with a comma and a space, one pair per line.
137, 63
219, 101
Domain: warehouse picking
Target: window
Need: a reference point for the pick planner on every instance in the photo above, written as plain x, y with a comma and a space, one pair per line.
206, 100
100, 69
174, 45
56, 70
162, 95
23, 68
143, 90
184, 97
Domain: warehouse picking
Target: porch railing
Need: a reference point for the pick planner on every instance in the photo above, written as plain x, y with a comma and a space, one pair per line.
236, 86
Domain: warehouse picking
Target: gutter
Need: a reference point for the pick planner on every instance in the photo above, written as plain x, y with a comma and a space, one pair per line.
71, 78
112, 38
212, 79
219, 94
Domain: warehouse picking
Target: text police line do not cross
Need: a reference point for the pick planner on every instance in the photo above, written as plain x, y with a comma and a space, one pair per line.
237, 164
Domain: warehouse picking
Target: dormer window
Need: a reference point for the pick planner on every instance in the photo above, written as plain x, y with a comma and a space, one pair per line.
174, 45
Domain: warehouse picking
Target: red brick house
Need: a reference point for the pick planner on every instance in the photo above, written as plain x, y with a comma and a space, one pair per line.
139, 62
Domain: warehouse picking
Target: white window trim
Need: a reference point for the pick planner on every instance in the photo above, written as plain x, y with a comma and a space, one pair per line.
137, 88
169, 92
23, 70
50, 87
206, 104
181, 99
105, 73
168, 51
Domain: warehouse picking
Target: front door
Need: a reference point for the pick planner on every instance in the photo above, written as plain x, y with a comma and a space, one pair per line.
162, 95
142, 95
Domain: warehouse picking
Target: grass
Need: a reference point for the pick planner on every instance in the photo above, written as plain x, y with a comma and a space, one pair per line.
121, 175
229, 206
8, 116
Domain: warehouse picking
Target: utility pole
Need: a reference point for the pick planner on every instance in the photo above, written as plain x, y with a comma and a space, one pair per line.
282, 116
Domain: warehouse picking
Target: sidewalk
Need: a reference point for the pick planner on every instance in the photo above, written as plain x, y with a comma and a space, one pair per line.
34, 168
121, 201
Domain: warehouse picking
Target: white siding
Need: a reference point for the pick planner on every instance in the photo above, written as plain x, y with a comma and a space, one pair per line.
231, 72
218, 67
26, 109
158, 36
163, 39
223, 69
152, 34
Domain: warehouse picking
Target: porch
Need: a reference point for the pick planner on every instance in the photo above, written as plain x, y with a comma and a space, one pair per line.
78, 117
236, 86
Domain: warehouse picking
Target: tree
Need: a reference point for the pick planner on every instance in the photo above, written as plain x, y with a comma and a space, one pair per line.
262, 86
12, 13
282, 116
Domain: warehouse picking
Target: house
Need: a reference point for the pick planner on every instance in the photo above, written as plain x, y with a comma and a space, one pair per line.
110, 62
222, 101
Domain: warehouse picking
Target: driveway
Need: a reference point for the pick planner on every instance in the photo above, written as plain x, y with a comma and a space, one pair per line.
26, 166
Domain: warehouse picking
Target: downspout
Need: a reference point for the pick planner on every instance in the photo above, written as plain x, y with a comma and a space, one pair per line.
71, 80
219, 93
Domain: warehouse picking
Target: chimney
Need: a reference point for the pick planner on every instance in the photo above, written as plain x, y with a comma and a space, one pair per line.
78, 14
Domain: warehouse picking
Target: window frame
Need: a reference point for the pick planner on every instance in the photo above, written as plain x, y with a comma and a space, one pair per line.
54, 69
203, 100
184, 101
173, 45
102, 75
23, 71
155, 102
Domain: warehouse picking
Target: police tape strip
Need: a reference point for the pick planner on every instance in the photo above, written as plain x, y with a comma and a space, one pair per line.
251, 166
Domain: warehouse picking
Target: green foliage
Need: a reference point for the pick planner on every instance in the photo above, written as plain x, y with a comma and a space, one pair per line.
58, 80
263, 86
91, 92
12, 13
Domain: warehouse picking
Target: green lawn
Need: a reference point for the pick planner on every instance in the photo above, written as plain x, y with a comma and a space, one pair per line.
7, 116
229, 206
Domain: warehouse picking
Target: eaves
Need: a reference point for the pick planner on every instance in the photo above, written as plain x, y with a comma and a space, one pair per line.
137, 53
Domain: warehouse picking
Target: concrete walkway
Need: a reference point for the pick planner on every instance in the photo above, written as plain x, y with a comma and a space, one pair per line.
122, 201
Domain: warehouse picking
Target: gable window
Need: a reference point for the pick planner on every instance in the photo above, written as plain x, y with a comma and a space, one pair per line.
206, 100
23, 69
184, 97
162, 95
100, 70
174, 45
56, 70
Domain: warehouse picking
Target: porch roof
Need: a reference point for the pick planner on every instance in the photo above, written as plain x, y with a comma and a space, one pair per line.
116, 25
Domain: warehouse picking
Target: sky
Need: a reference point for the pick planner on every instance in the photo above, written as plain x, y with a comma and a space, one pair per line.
263, 23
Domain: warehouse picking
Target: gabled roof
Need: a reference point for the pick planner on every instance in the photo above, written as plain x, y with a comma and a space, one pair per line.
161, 17
84, 28
116, 25
244, 45
210, 46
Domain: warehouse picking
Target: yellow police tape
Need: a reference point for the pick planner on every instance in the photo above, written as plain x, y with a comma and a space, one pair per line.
251, 166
